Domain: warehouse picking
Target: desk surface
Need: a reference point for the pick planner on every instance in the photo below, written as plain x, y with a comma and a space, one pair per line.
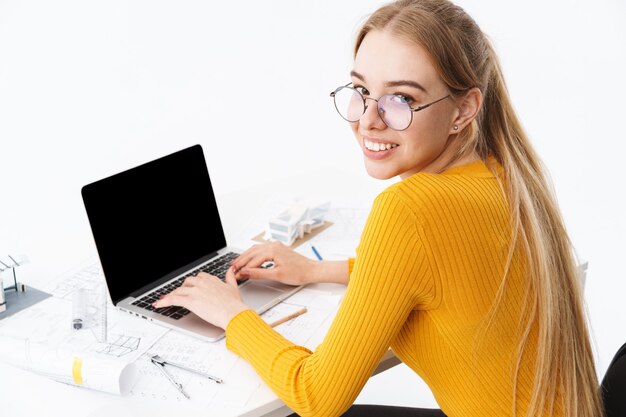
260, 401
19, 387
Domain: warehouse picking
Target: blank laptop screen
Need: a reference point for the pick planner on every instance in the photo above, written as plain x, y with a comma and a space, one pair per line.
153, 219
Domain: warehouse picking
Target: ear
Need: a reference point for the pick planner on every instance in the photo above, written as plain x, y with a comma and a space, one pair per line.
468, 106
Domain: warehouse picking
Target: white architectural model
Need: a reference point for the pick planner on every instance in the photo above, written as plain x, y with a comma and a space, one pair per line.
293, 223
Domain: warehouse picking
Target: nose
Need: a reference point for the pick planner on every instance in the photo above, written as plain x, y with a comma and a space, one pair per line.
371, 119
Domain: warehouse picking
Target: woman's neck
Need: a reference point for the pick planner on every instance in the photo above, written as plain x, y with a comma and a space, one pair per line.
449, 158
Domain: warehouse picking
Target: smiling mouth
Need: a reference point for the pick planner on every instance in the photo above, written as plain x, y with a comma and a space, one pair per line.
377, 146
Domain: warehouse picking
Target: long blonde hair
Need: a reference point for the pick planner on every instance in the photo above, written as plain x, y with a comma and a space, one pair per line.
564, 373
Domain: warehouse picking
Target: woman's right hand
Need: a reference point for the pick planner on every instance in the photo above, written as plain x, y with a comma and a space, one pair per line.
289, 266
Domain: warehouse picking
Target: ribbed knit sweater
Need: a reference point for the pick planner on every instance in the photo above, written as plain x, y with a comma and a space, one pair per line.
429, 264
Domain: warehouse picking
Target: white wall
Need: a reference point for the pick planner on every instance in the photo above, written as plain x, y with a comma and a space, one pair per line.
90, 88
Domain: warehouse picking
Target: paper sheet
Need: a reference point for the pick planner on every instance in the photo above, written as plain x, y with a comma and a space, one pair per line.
211, 358
40, 339
309, 329
87, 276
240, 380
338, 242
68, 366
88, 279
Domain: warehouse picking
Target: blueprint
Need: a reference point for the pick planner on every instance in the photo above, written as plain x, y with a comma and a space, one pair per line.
41, 339
241, 382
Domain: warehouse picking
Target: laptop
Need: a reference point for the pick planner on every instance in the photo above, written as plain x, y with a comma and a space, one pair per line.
155, 225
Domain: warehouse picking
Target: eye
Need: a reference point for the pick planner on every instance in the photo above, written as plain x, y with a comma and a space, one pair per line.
362, 90
403, 98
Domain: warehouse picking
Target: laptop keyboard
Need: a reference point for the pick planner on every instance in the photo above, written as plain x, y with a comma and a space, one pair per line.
217, 267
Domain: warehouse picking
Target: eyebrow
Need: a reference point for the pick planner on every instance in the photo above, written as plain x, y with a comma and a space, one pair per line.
398, 83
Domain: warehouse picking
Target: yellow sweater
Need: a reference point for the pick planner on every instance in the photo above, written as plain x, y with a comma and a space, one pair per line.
428, 267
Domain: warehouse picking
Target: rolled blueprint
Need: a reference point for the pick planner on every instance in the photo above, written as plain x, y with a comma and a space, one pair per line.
102, 374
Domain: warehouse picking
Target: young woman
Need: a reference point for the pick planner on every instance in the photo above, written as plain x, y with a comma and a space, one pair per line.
464, 267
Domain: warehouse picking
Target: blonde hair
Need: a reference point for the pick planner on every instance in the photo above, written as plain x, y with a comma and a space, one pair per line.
564, 371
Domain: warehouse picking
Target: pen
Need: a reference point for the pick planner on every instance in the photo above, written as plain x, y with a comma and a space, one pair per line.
163, 362
178, 386
317, 254
289, 317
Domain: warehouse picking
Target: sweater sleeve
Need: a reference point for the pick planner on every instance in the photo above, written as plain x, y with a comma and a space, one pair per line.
391, 277
350, 265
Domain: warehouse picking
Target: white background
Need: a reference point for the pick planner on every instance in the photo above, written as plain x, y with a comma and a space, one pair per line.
89, 88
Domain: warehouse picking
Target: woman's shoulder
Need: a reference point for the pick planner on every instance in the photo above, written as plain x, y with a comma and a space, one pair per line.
451, 190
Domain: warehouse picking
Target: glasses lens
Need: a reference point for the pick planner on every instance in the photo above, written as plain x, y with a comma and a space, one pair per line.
349, 103
395, 112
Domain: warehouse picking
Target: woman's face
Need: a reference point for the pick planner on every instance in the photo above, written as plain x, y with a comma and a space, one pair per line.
387, 64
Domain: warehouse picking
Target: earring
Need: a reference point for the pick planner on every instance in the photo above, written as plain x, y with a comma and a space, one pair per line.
456, 127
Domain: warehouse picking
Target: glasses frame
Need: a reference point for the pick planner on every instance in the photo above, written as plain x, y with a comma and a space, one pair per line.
412, 109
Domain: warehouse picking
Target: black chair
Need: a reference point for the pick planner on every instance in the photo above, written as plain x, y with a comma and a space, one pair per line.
614, 386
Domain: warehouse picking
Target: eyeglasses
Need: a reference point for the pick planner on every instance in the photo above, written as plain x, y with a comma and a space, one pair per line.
393, 109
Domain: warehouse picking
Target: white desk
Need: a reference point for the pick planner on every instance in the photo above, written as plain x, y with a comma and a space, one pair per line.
84, 402
22, 393
52, 398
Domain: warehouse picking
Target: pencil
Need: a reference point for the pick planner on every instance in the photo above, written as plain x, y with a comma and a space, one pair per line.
289, 317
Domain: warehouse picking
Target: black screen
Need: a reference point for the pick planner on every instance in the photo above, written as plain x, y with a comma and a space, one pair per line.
153, 219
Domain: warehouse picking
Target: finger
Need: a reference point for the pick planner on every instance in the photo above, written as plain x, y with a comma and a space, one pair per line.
259, 273
267, 255
190, 281
171, 300
254, 252
259, 260
181, 291
204, 276
243, 256
230, 277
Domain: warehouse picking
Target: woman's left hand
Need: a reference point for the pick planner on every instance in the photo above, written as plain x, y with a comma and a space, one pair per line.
207, 296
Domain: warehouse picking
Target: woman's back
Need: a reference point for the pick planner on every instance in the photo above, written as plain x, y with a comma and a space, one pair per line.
468, 363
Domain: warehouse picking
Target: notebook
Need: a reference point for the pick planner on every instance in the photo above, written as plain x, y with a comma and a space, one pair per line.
158, 223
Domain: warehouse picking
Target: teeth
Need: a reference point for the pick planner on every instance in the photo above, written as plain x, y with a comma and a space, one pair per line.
376, 146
